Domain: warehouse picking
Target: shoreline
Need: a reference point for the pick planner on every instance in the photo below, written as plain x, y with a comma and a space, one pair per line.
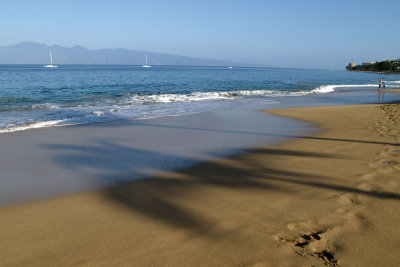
322, 199
55, 161
377, 72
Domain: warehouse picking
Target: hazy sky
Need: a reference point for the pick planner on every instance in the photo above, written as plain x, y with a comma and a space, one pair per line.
282, 33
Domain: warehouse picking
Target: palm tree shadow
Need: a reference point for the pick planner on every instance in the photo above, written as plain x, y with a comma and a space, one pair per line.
163, 198
239, 132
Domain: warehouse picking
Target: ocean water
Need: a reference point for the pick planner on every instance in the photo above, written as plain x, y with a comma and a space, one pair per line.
32, 96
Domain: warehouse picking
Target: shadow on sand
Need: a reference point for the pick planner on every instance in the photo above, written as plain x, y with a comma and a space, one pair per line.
163, 198
197, 129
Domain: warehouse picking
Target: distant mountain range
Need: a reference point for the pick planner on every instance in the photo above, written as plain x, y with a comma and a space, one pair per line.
35, 53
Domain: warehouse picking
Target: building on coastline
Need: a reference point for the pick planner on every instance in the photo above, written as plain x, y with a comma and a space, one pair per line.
369, 63
376, 66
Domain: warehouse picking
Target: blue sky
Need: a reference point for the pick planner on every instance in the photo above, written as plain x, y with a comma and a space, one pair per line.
283, 33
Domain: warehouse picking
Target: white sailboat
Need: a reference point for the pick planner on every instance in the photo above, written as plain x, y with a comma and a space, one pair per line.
51, 62
145, 65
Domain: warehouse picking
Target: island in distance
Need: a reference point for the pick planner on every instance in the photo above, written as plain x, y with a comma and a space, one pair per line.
35, 53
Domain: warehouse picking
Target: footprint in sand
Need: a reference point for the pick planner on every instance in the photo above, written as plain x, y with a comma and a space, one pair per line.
368, 176
383, 165
378, 163
387, 169
366, 187
307, 239
348, 199
388, 152
300, 234
374, 164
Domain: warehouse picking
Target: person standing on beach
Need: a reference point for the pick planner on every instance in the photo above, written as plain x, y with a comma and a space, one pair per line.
380, 83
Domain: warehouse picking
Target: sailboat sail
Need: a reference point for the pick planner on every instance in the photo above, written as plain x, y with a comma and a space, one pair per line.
51, 62
145, 65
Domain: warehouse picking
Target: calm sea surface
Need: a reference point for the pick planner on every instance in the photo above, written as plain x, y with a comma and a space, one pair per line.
32, 96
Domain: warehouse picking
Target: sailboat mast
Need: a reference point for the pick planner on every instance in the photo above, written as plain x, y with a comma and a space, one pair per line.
51, 62
146, 59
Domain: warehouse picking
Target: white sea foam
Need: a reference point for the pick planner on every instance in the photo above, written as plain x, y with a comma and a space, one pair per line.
98, 113
49, 106
32, 125
169, 98
331, 87
324, 89
201, 96
140, 106
392, 84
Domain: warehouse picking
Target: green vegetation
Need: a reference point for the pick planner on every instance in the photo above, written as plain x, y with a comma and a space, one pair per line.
382, 66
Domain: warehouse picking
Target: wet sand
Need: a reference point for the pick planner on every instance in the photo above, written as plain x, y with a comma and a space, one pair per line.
42, 163
330, 199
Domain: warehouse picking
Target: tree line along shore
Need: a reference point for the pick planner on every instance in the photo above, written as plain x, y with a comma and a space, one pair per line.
387, 66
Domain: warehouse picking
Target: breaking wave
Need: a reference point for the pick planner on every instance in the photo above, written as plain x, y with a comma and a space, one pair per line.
142, 106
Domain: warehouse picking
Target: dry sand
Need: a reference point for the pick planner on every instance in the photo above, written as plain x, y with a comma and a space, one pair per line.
331, 199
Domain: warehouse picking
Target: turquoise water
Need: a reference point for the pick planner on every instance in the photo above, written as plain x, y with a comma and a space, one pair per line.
32, 96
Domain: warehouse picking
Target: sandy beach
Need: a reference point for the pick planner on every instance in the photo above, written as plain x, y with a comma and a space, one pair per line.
328, 199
